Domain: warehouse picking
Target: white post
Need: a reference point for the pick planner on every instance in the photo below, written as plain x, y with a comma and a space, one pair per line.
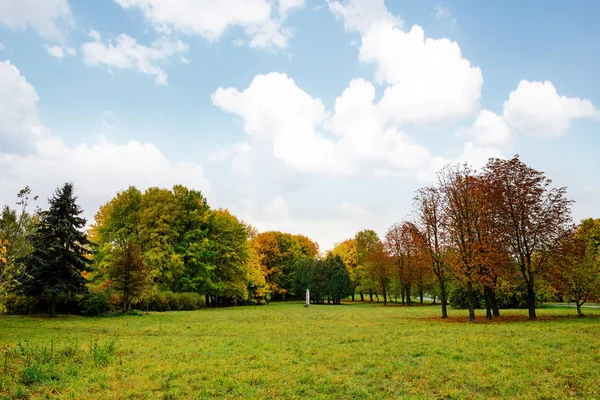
307, 298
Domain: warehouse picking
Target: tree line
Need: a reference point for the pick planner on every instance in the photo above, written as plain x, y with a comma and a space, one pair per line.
495, 238
486, 235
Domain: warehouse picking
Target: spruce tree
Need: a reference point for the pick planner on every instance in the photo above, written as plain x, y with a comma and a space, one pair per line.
59, 250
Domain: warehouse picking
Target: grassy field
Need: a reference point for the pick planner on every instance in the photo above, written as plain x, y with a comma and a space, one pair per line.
359, 351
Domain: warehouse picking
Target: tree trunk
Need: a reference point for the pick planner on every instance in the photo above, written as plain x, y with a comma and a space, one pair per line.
408, 298
579, 313
488, 304
207, 300
52, 306
384, 295
421, 295
434, 296
531, 300
377, 297
371, 295
443, 298
352, 295
471, 305
362, 296
495, 309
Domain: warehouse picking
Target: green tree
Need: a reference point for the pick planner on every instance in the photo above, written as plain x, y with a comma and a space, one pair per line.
365, 242
230, 257
15, 227
59, 251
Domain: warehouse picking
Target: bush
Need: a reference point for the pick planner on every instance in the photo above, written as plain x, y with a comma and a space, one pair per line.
95, 303
459, 299
169, 301
20, 305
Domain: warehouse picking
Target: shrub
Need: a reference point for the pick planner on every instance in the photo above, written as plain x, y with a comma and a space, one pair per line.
20, 305
95, 303
169, 301
459, 299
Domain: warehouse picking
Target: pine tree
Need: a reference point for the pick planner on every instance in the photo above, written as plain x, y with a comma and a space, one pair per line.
59, 251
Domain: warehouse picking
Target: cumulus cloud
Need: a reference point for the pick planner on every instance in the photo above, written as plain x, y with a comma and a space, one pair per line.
262, 20
126, 53
441, 12
491, 130
536, 108
43, 161
45, 16
60, 51
281, 117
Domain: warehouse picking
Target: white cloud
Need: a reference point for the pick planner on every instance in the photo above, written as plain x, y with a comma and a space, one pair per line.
210, 19
60, 52
285, 6
441, 12
2, 46
97, 170
361, 15
430, 83
126, 53
491, 130
536, 108
19, 126
46, 16
283, 119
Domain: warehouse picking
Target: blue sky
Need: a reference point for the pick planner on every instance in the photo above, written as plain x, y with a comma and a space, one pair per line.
309, 116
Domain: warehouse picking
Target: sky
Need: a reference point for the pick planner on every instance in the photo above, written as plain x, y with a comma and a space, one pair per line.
319, 117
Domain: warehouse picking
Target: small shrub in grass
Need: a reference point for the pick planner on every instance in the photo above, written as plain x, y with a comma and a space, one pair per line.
169, 301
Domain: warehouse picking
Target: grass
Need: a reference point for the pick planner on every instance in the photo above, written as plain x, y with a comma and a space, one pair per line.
359, 351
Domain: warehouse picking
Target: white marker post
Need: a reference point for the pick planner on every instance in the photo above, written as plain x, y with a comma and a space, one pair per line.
307, 298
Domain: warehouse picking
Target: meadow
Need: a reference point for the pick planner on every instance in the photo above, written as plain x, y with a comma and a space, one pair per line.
283, 350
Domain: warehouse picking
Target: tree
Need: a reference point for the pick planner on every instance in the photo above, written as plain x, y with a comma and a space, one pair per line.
346, 250
531, 216
429, 211
365, 241
60, 251
379, 267
229, 257
338, 284
131, 276
575, 264
15, 227
463, 216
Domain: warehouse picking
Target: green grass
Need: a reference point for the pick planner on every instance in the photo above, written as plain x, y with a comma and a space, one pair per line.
360, 351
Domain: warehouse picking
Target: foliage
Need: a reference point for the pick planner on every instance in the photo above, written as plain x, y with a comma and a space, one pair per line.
59, 251
130, 275
15, 227
278, 254
327, 279
575, 264
169, 301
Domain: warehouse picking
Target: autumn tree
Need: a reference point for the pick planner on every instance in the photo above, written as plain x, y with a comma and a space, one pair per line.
463, 218
379, 267
60, 251
346, 250
531, 216
130, 275
574, 265
433, 238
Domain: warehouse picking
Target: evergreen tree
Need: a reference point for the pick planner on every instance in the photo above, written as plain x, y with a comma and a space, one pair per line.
59, 251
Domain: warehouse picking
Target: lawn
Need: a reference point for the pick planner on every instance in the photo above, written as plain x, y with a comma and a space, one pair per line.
358, 351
